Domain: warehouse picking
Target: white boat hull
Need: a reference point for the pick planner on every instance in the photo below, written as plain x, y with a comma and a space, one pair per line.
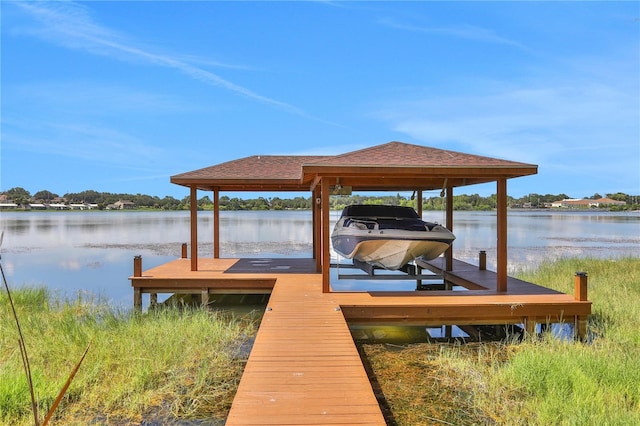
394, 254
386, 241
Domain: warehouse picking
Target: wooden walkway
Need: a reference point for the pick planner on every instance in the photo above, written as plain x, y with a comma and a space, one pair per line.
304, 368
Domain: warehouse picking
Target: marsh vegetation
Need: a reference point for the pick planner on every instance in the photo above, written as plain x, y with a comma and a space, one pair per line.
163, 365
542, 380
185, 364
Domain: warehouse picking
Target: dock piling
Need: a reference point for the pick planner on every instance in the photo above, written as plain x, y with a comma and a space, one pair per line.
580, 294
580, 286
137, 266
204, 296
482, 260
137, 293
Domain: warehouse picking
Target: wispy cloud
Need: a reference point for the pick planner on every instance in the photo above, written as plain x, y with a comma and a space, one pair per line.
86, 143
70, 25
462, 31
578, 128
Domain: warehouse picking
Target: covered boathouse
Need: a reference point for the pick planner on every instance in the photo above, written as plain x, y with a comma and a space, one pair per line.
304, 367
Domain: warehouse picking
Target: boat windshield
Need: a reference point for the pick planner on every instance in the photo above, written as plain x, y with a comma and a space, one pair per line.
378, 211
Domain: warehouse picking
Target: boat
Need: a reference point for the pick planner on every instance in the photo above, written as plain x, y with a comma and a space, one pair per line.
388, 237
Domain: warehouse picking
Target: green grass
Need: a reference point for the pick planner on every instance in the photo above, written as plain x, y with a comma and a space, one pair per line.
172, 363
540, 381
163, 364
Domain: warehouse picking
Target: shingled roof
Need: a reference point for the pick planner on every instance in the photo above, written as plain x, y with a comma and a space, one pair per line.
258, 172
400, 154
390, 166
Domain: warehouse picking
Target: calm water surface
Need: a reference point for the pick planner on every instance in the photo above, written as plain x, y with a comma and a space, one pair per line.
92, 252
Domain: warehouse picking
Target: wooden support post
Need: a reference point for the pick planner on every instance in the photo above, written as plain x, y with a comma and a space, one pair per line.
580, 286
449, 253
184, 251
325, 210
137, 293
193, 208
137, 266
317, 227
205, 297
153, 300
482, 260
580, 294
501, 217
216, 224
137, 299
530, 326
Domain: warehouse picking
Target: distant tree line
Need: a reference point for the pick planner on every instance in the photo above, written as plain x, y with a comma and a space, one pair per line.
22, 197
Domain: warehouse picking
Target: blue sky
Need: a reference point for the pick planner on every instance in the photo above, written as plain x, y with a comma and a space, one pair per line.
119, 96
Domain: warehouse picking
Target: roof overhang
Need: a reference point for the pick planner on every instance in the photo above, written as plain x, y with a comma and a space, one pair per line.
394, 166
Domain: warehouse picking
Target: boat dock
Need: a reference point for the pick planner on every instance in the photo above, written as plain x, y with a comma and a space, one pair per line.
304, 367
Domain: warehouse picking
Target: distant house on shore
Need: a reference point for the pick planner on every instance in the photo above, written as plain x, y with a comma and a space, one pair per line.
58, 206
8, 206
586, 203
121, 205
83, 206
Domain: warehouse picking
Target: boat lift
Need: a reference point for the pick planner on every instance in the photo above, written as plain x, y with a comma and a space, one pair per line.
410, 272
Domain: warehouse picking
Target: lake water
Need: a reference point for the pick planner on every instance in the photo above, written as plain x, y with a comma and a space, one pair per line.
92, 252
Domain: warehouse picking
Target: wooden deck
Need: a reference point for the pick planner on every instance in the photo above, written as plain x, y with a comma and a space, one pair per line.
304, 367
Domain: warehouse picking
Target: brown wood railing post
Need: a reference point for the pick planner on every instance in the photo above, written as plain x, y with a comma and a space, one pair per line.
580, 294
137, 292
482, 260
137, 266
184, 250
580, 286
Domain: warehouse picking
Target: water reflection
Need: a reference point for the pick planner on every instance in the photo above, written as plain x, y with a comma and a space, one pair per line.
93, 252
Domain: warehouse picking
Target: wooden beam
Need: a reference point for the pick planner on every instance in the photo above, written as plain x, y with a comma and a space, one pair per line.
325, 210
216, 224
463, 171
316, 181
501, 217
193, 207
